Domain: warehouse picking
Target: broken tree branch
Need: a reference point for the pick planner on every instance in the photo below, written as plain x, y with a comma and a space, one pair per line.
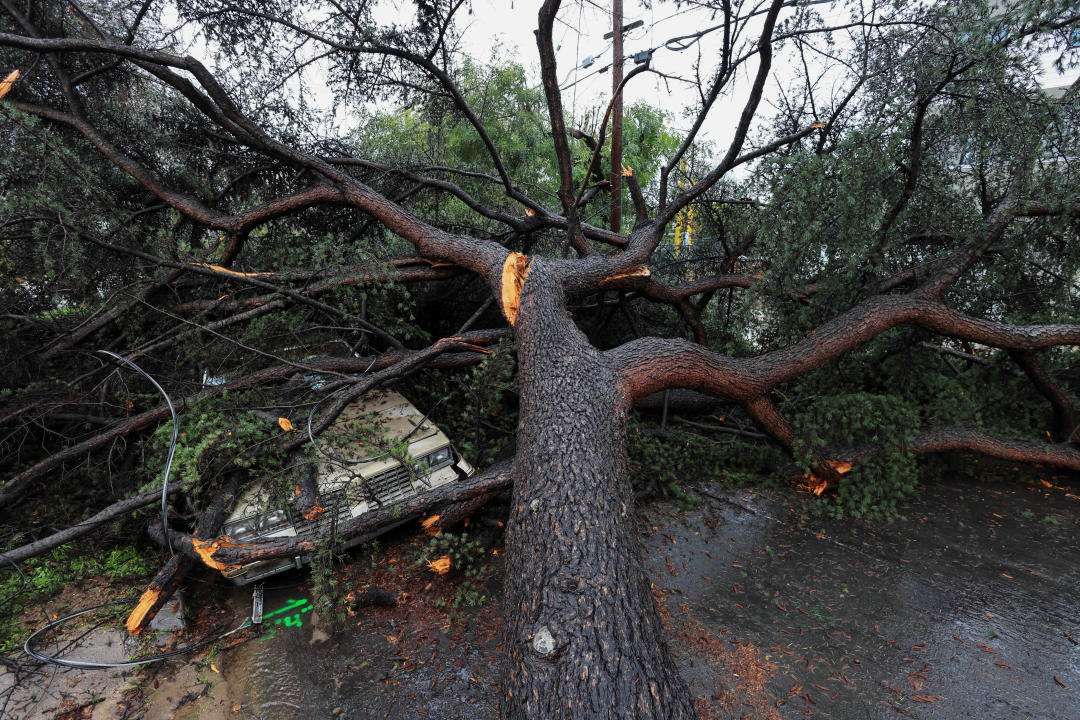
223, 553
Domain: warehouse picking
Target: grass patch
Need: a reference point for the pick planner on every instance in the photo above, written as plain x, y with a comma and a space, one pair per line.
47, 575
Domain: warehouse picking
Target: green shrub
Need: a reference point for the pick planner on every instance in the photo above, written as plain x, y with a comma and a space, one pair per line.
46, 575
876, 485
466, 560
669, 463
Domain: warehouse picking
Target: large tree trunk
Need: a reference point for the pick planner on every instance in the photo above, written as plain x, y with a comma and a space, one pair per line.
582, 629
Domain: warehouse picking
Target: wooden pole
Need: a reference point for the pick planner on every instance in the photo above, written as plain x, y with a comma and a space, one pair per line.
616, 115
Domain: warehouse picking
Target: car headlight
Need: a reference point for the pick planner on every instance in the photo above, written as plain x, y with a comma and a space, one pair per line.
241, 530
256, 525
273, 520
440, 458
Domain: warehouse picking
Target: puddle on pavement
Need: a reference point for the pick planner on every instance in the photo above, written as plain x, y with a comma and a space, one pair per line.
968, 608
49, 691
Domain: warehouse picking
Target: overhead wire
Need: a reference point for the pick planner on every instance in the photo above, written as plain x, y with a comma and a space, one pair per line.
577, 59
677, 43
673, 15
601, 8
172, 443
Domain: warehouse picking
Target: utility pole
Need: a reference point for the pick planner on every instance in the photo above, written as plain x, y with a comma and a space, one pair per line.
616, 114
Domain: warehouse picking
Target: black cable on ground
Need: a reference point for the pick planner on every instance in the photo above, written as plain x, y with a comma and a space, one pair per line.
88, 665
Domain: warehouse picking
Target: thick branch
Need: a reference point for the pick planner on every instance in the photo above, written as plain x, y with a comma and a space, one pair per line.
17, 484
250, 279
168, 579
408, 364
480, 256
545, 44
653, 364
188, 205
1065, 418
334, 279
516, 222
426, 64
763, 412
946, 439
1043, 210
84, 527
225, 553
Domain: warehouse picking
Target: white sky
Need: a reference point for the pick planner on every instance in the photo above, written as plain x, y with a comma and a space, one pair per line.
579, 33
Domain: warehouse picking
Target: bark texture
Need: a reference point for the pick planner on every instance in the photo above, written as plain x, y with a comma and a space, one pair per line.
583, 633
168, 579
88, 525
584, 637
1065, 419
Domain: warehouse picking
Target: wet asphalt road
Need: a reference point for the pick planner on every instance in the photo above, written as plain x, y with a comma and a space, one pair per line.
968, 608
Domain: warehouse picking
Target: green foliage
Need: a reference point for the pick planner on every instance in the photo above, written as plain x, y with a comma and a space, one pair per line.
327, 586
467, 563
672, 462
833, 214
215, 433
465, 555
488, 405
50, 573
647, 140
475, 407
876, 485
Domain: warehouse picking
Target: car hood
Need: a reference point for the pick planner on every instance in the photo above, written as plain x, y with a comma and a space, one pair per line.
364, 429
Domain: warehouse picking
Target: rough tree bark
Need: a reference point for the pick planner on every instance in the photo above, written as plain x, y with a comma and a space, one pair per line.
582, 630
172, 574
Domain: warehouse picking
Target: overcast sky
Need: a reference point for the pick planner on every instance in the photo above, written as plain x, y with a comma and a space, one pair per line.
505, 27
579, 34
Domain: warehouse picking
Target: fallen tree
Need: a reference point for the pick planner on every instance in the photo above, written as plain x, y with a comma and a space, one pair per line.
921, 247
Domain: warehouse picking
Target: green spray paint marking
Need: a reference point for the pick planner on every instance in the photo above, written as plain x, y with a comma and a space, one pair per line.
294, 619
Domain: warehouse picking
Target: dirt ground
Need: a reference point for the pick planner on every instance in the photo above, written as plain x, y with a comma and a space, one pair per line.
966, 608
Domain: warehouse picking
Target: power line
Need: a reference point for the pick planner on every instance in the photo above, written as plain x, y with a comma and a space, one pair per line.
681, 43
603, 69
599, 7
672, 15
678, 43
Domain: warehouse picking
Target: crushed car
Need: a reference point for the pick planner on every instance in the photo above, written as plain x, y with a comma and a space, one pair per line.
380, 451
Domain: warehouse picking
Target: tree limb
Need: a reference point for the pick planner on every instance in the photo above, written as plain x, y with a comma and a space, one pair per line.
85, 527
15, 486
223, 553
1065, 418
